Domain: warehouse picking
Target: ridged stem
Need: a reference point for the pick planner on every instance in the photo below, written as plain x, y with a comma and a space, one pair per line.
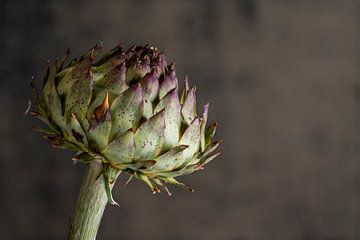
91, 204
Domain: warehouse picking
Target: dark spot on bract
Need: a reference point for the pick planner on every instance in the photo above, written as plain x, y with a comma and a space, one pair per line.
77, 136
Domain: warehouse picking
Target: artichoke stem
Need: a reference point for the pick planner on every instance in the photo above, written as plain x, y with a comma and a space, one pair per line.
91, 204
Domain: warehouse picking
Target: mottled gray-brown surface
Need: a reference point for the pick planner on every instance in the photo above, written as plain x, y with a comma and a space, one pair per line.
281, 77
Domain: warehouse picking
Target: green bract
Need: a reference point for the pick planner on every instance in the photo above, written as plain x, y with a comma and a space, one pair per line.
124, 109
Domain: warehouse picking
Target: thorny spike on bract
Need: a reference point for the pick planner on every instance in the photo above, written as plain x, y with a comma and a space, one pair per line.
124, 110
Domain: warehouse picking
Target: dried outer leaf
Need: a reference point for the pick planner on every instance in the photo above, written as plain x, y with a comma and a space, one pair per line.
78, 72
149, 137
126, 111
63, 144
150, 87
52, 99
48, 131
209, 134
170, 81
167, 161
203, 125
121, 149
41, 116
185, 90
76, 132
172, 107
189, 108
110, 175
83, 157
72, 147
108, 191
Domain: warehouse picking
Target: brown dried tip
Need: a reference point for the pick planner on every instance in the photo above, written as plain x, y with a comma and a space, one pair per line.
55, 141
188, 188
155, 190
100, 111
201, 167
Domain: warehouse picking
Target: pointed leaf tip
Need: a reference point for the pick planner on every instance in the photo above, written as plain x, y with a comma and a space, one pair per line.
173, 181
189, 107
172, 107
169, 83
203, 125
207, 159
154, 189
209, 133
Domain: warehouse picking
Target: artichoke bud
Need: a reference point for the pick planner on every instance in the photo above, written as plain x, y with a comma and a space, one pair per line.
125, 111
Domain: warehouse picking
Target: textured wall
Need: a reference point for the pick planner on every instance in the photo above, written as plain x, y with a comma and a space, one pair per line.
281, 77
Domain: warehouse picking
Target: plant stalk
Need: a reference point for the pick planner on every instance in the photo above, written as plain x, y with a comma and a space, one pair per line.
91, 204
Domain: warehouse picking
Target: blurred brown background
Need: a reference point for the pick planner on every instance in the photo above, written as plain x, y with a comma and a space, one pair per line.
283, 82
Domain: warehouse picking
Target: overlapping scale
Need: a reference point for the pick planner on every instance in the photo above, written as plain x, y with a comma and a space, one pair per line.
149, 137
127, 110
172, 107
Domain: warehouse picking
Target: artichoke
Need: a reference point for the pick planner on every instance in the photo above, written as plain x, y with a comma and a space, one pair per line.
124, 109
